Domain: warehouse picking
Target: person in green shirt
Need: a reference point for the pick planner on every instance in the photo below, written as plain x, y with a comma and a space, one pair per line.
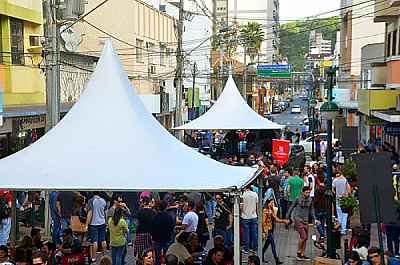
295, 184
118, 232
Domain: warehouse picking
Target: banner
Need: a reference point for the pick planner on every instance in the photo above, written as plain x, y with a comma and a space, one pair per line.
280, 151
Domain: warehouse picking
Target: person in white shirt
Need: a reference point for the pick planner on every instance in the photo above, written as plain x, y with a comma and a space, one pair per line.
249, 219
309, 180
191, 219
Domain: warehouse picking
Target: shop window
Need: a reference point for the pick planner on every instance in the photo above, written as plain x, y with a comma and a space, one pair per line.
394, 43
17, 41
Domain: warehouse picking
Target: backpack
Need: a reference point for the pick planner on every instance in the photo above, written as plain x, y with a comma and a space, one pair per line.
4, 209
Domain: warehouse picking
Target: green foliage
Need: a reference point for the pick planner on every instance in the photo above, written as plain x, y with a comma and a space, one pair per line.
348, 203
294, 37
252, 35
349, 169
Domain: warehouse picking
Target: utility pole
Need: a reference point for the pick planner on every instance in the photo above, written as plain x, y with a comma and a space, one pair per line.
179, 71
51, 53
221, 67
52, 50
193, 90
245, 73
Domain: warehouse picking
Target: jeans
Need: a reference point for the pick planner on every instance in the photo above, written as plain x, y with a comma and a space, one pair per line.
64, 223
284, 207
227, 234
158, 248
250, 231
5, 228
321, 217
129, 235
270, 241
118, 255
56, 233
210, 210
392, 238
342, 217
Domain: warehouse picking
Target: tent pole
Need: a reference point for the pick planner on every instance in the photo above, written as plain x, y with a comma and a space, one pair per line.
260, 217
47, 215
236, 228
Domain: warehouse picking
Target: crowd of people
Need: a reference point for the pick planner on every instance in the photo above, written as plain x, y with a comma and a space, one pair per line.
177, 228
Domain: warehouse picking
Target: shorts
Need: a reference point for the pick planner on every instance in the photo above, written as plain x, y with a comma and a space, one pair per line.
302, 229
97, 233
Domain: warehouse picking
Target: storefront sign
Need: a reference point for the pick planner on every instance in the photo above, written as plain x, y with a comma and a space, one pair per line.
29, 123
375, 121
392, 129
280, 151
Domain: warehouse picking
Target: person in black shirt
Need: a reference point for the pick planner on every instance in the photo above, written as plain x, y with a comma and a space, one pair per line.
36, 238
215, 256
143, 230
71, 244
223, 220
162, 228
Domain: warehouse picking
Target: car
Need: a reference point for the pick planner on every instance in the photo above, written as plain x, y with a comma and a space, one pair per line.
307, 143
296, 109
276, 108
297, 156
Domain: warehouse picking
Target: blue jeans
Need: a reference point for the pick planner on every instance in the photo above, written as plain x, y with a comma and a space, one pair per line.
129, 223
210, 210
64, 223
250, 231
321, 217
227, 234
5, 228
118, 255
270, 241
158, 248
56, 231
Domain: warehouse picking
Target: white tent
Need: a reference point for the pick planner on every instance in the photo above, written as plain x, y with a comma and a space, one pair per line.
108, 141
230, 112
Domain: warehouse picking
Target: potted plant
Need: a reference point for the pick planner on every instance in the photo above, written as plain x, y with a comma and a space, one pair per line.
349, 170
348, 204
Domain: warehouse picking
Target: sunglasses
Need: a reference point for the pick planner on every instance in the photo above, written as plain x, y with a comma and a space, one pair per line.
218, 198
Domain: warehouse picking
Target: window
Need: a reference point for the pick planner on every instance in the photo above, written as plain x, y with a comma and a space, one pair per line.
17, 41
163, 51
388, 44
139, 51
394, 43
150, 52
171, 57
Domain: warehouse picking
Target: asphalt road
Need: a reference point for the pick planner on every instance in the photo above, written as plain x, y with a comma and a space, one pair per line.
293, 121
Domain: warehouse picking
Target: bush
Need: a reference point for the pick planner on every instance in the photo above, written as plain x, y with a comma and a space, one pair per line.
349, 170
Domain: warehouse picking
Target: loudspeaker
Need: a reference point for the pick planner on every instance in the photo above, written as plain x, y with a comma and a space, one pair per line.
374, 172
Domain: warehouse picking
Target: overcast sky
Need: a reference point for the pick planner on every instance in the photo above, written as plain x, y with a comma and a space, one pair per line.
294, 9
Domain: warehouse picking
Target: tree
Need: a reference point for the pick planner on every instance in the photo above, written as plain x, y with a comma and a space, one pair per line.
252, 35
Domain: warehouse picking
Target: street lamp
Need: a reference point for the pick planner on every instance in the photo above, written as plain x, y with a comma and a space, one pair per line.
312, 103
329, 110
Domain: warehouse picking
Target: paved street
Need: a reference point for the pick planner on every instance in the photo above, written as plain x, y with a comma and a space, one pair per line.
293, 121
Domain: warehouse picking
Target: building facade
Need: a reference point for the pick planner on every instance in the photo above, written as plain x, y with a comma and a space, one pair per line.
145, 39
357, 30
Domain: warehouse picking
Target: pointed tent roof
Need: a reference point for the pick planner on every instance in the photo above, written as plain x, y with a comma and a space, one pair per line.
230, 112
108, 141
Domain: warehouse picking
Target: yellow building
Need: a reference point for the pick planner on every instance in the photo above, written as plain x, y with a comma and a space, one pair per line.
21, 32
22, 82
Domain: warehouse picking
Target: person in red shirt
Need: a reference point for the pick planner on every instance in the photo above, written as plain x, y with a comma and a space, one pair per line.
5, 214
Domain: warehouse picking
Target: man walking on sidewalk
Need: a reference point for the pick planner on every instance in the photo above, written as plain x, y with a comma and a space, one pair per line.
302, 208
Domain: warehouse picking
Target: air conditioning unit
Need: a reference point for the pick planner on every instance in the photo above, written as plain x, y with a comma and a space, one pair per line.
72, 9
398, 103
34, 41
152, 69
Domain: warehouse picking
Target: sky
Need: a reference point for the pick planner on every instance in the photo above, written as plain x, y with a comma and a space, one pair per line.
294, 9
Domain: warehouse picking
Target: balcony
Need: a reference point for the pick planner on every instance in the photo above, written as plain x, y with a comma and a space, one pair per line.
372, 100
393, 68
386, 10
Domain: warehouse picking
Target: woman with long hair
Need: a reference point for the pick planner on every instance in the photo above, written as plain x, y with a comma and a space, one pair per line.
118, 232
269, 219
146, 257
144, 220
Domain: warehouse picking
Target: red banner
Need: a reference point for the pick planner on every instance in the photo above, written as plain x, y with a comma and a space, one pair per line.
280, 151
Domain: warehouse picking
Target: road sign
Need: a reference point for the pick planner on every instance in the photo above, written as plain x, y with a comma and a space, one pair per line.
267, 71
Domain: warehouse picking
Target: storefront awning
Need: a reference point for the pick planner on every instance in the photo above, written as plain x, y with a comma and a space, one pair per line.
32, 110
389, 115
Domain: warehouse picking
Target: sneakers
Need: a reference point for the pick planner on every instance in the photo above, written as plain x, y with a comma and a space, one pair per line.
305, 258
